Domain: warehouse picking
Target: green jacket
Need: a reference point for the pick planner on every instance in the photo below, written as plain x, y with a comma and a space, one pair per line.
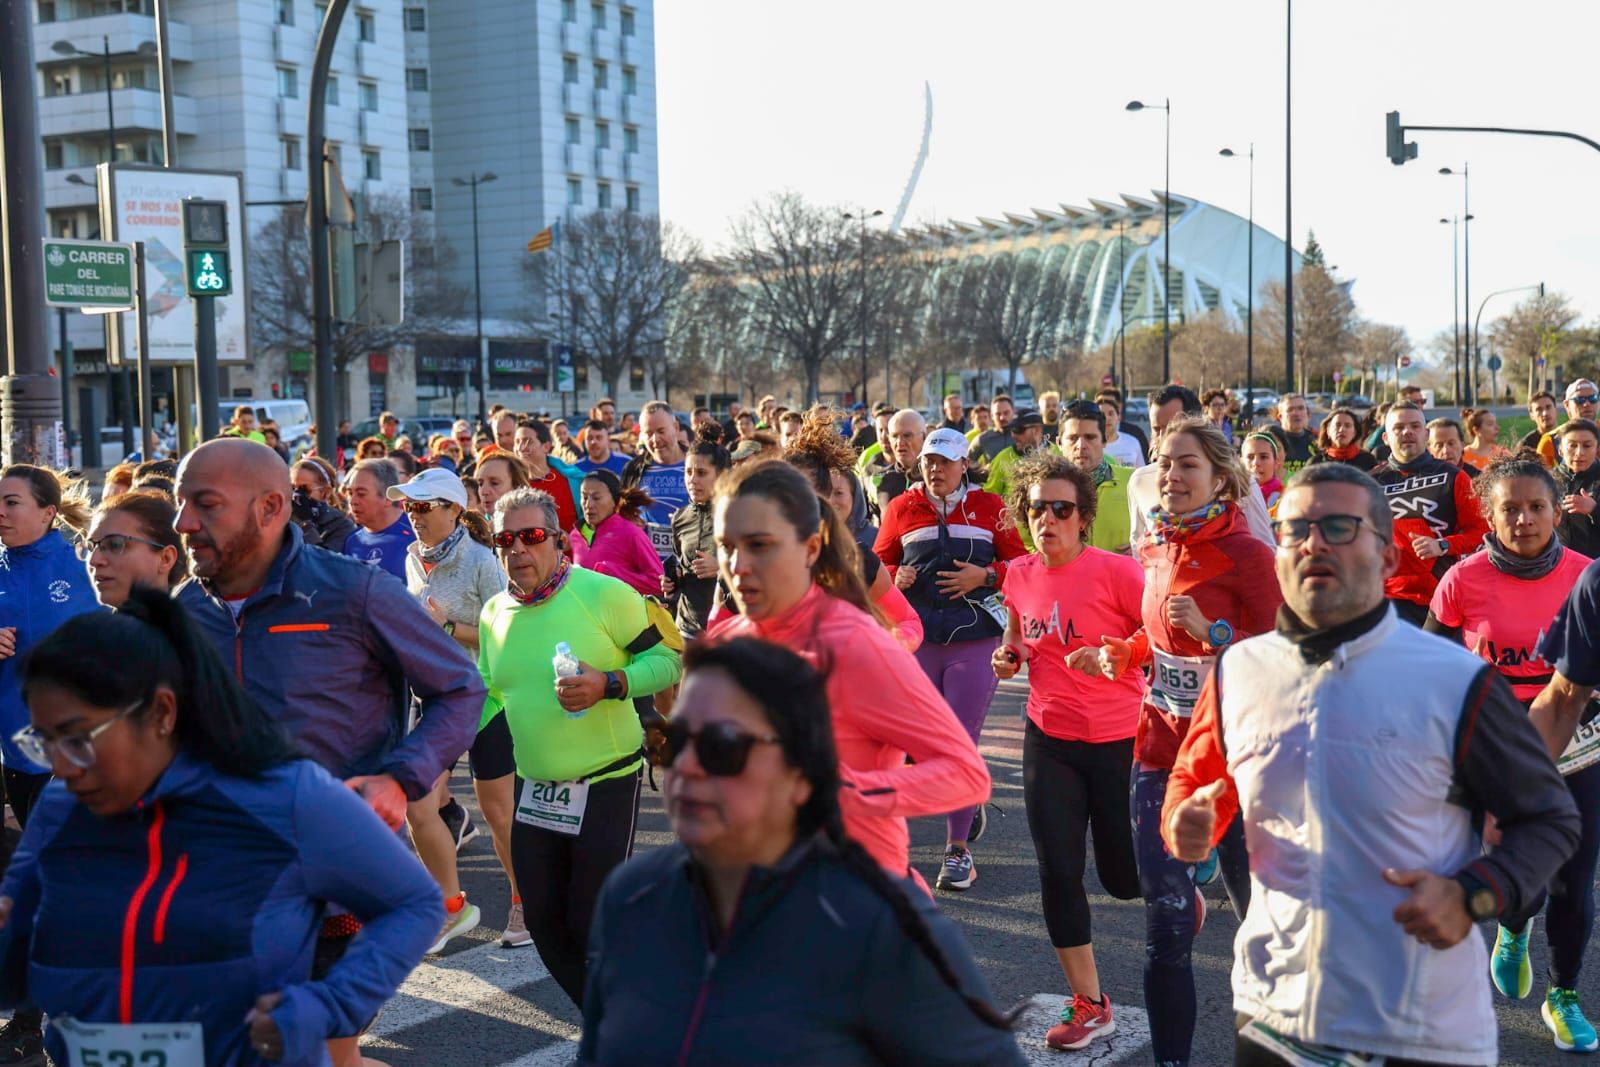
1111, 529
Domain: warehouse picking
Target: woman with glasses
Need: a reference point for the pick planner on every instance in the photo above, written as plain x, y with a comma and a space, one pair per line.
1499, 603
617, 544
452, 572
1208, 582
765, 934
132, 542
178, 867
564, 652
1077, 748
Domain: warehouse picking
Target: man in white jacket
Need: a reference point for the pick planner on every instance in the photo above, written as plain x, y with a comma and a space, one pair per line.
1363, 804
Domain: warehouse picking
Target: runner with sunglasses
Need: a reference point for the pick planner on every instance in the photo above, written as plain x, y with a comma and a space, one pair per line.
764, 934
790, 565
576, 741
1077, 748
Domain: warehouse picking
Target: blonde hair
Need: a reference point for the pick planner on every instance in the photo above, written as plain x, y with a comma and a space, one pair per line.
1236, 482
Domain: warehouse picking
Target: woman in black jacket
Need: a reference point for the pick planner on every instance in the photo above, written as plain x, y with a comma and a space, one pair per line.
765, 935
1578, 477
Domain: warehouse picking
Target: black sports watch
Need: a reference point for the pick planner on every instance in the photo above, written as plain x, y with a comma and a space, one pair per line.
613, 686
1482, 903
1444, 547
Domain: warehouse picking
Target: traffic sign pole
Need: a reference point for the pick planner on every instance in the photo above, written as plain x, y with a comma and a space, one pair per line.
142, 320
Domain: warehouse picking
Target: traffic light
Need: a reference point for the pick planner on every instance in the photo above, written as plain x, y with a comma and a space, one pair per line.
1399, 148
205, 247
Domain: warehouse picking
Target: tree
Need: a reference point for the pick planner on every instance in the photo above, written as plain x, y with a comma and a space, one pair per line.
613, 278
280, 289
1313, 255
1324, 322
1540, 327
1378, 348
1010, 307
1211, 349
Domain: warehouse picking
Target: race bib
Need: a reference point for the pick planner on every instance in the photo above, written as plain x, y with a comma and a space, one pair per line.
130, 1045
1176, 680
660, 538
995, 605
555, 806
1584, 749
1300, 1054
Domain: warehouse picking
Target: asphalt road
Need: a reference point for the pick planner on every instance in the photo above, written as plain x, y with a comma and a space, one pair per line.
478, 1005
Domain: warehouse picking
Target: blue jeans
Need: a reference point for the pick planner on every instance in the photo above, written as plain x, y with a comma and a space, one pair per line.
1169, 914
1569, 920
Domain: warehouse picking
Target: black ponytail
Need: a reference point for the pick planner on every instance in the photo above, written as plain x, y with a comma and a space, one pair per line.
159, 645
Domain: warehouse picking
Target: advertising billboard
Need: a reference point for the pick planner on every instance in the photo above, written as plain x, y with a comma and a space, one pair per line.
139, 203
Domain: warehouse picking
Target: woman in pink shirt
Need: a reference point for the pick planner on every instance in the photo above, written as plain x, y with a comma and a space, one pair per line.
617, 544
791, 568
1077, 751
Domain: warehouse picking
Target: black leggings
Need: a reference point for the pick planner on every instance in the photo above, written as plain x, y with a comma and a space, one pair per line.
559, 875
1069, 786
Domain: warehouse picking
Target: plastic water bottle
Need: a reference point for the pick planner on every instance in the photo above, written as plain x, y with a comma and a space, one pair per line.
567, 666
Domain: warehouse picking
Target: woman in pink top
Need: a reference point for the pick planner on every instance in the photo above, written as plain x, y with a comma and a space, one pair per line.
791, 568
1077, 751
617, 544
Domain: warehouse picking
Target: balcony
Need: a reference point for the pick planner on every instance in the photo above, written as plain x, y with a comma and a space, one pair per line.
60, 193
291, 116
126, 33
570, 38
602, 104
136, 109
602, 43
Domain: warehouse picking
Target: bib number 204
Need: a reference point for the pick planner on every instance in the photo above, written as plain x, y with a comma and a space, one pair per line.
559, 793
1179, 679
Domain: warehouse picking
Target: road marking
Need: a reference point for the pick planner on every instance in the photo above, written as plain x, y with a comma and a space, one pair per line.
1131, 1037
463, 980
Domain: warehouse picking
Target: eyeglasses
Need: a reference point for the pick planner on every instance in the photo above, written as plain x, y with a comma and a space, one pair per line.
1586, 398
422, 507
722, 748
76, 749
1061, 509
528, 535
1336, 529
114, 544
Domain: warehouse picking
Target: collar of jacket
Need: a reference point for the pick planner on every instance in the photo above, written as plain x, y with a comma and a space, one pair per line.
1346, 639
51, 543
185, 775
763, 886
1423, 464
293, 543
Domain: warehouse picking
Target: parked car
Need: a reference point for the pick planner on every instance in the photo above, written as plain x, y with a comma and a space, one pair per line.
1356, 401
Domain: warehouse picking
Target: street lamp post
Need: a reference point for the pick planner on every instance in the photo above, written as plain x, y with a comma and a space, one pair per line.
1471, 370
477, 292
1478, 320
1455, 310
1288, 193
1250, 289
862, 217
1166, 240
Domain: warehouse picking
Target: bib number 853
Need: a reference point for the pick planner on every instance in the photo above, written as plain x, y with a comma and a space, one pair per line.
117, 1057
1179, 679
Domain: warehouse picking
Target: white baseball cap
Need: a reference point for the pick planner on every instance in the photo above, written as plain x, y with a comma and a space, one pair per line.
434, 484
951, 444
1582, 385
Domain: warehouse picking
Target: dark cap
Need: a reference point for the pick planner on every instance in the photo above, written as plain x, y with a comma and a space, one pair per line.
1025, 419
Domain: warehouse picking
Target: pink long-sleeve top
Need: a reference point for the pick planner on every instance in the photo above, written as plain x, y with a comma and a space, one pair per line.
623, 550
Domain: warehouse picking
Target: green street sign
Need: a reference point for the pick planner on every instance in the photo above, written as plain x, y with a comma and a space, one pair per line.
207, 273
88, 274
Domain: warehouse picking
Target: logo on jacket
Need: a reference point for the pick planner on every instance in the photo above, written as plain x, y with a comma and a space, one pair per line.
307, 597
60, 592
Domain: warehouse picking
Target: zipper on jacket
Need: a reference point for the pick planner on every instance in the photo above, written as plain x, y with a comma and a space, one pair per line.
130, 920
238, 646
166, 897
705, 982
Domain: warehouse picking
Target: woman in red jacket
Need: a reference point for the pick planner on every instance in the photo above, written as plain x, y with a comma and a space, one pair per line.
1207, 583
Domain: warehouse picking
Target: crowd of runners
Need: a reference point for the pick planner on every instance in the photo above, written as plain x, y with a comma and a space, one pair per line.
1346, 668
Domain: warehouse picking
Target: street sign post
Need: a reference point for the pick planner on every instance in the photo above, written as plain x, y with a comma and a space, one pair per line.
566, 379
91, 275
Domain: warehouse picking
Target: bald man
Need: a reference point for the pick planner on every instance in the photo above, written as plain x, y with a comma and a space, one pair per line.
327, 645
907, 430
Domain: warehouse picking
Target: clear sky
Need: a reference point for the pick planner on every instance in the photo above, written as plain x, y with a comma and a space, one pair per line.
825, 98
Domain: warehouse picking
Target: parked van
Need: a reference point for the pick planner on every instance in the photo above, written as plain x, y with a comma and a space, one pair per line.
292, 416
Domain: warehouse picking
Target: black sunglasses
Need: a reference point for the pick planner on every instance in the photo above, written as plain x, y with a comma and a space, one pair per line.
528, 535
722, 748
1586, 398
1061, 509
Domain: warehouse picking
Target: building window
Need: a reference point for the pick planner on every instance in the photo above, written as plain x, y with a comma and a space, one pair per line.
602, 195
417, 79
322, 11
569, 69
371, 164
569, 10
416, 19
333, 90
627, 22
630, 139
602, 135
602, 75
336, 153
366, 26
422, 199
633, 198
291, 153
286, 12
630, 80
369, 96
574, 133
288, 83
53, 155
597, 16
60, 84
574, 192
47, 11
421, 139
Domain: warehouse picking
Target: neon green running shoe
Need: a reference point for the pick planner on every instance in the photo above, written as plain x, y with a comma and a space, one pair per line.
1565, 1020
1509, 966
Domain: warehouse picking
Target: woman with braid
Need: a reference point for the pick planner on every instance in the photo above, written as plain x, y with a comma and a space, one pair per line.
766, 934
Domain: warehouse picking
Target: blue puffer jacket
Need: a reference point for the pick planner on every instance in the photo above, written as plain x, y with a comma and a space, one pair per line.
333, 649
42, 585
207, 895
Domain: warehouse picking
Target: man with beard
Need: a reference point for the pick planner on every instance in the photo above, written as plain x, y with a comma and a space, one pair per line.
332, 648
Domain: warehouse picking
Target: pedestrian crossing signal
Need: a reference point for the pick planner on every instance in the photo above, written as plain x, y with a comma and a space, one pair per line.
208, 273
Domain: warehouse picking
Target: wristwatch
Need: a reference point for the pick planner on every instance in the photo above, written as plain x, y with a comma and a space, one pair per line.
1482, 903
1220, 633
613, 686
991, 576
1444, 547
450, 627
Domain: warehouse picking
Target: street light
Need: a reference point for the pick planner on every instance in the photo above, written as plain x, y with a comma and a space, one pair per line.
1166, 241
862, 217
1479, 319
477, 292
1250, 285
1470, 375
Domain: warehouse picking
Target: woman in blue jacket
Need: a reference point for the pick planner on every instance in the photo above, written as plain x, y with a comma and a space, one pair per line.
765, 935
164, 903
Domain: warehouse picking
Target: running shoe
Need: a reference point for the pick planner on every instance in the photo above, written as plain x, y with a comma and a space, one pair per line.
21, 1045
958, 872
980, 823
1206, 871
1509, 966
1082, 1021
455, 925
459, 823
1565, 1020
516, 935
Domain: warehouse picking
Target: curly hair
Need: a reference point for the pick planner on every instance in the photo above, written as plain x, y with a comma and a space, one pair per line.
1036, 468
817, 448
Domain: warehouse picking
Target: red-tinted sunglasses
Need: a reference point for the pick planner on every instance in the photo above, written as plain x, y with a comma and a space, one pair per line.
528, 535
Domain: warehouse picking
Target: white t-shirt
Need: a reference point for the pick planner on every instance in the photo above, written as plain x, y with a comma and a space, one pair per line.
1126, 451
